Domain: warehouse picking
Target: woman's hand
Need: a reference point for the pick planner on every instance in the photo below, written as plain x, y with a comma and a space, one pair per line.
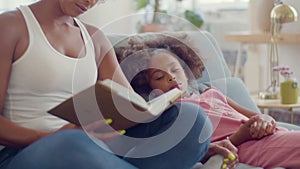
226, 149
264, 125
100, 130
69, 126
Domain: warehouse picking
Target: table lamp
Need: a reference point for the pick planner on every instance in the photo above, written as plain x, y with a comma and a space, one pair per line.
280, 14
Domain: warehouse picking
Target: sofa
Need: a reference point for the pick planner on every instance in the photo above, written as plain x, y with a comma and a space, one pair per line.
216, 74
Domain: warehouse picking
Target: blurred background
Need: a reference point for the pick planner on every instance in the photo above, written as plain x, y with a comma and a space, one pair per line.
220, 17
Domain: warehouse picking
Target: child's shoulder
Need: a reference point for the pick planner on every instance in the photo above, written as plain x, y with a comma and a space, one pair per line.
213, 92
211, 89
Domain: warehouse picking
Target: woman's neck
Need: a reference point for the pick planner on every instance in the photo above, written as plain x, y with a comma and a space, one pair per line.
49, 12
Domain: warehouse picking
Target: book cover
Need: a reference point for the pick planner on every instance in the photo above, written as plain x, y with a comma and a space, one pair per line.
110, 100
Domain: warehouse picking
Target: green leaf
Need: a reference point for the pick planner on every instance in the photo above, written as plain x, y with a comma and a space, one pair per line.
142, 3
194, 17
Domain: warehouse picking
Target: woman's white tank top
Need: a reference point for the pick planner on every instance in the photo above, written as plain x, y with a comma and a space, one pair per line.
42, 78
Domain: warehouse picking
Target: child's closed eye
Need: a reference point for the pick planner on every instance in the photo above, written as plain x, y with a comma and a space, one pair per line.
175, 70
159, 78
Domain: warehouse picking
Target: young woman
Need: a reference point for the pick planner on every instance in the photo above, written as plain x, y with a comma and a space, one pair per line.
165, 62
47, 55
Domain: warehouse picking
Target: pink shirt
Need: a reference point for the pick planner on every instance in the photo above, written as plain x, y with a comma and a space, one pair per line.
224, 118
279, 149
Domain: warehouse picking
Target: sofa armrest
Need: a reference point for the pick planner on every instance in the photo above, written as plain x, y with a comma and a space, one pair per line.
288, 126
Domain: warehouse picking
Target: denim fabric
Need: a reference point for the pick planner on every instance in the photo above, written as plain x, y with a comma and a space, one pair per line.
71, 149
187, 151
74, 149
6, 155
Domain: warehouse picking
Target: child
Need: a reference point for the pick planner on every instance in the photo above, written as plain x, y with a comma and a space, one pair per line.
165, 62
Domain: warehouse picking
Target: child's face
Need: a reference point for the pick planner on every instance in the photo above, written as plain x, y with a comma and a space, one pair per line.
166, 73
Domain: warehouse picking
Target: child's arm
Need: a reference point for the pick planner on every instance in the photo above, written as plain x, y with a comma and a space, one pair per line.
243, 110
244, 132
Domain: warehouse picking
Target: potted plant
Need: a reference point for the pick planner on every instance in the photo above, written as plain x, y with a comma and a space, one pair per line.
154, 19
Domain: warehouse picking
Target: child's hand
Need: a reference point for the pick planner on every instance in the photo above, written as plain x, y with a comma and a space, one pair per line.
265, 125
243, 134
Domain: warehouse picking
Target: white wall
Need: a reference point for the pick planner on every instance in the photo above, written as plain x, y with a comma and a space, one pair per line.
258, 55
290, 54
112, 16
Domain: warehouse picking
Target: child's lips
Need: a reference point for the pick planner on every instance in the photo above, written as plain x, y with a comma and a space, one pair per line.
175, 86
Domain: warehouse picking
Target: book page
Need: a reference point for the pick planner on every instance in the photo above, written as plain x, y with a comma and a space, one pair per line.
126, 93
164, 101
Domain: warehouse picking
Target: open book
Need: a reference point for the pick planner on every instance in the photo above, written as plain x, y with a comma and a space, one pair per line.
110, 100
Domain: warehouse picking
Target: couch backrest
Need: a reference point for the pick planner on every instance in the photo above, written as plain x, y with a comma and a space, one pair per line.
216, 74
211, 54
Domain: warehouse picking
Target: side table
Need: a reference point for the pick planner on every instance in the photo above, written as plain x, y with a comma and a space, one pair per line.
267, 104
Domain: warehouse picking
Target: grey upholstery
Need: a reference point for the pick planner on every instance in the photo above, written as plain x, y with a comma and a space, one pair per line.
217, 74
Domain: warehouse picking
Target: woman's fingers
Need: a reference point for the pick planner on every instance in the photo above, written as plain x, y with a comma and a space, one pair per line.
228, 151
230, 146
231, 164
98, 125
69, 126
101, 130
109, 136
230, 161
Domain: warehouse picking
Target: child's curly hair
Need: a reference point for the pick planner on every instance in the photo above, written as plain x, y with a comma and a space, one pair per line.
135, 57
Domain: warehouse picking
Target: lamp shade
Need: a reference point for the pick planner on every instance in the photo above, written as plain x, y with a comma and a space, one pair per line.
283, 13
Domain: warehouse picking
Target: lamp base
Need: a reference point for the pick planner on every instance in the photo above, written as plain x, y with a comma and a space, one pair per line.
269, 95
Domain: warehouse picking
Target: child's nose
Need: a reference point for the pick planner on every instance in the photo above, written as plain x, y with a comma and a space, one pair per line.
172, 78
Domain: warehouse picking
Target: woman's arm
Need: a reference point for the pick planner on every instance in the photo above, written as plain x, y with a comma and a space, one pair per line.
10, 133
15, 136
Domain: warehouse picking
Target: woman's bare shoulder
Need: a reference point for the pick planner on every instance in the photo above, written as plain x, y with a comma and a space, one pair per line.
94, 32
11, 23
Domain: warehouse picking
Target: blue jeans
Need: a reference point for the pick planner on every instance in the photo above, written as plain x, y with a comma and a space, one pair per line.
74, 149
191, 123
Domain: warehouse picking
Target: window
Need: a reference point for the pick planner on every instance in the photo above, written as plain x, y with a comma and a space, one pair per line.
221, 1
214, 5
